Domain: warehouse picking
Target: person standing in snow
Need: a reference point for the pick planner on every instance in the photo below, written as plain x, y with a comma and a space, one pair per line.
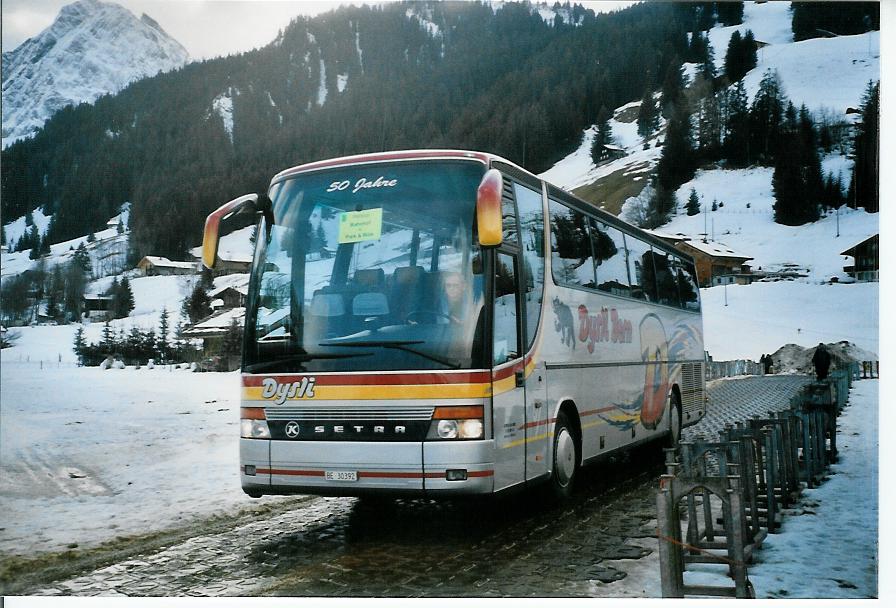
822, 361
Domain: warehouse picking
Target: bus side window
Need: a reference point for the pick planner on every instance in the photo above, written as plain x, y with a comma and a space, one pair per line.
506, 344
532, 233
571, 257
643, 278
609, 256
666, 286
688, 291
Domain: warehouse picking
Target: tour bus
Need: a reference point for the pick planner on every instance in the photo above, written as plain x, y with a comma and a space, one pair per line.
444, 323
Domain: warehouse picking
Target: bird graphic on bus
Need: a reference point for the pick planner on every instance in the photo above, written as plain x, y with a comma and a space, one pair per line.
660, 356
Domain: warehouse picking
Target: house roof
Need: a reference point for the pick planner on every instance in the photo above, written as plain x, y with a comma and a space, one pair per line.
224, 256
216, 323
163, 262
242, 289
716, 250
851, 250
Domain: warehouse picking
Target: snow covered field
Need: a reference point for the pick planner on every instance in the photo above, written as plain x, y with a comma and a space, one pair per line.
88, 455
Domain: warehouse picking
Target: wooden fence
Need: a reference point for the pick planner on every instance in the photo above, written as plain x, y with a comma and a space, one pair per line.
719, 499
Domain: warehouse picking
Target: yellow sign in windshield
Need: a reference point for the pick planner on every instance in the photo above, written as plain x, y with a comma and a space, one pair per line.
357, 226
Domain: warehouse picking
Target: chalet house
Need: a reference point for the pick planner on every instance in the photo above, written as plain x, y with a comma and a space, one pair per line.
226, 263
225, 298
608, 152
213, 330
717, 264
866, 256
96, 307
154, 266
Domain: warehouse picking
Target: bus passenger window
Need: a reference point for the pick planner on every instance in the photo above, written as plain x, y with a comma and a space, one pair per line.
643, 279
570, 247
532, 233
688, 290
666, 286
609, 255
505, 324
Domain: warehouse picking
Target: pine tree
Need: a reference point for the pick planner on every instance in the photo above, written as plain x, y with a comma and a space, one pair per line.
82, 258
865, 184
91, 238
230, 346
126, 297
730, 13
766, 116
648, 117
107, 341
163, 346
796, 182
80, 344
677, 160
673, 88
736, 146
693, 205
198, 305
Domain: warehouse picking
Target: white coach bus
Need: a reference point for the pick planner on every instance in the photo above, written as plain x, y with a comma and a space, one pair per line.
441, 322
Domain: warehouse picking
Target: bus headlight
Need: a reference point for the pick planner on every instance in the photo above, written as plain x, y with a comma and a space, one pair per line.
254, 429
253, 424
457, 422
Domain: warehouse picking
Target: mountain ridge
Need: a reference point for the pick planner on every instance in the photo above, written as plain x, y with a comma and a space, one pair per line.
91, 49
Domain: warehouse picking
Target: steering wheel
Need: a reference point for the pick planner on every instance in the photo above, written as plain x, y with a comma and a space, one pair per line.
411, 317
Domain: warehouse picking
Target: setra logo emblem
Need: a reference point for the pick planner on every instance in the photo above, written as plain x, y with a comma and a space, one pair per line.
292, 429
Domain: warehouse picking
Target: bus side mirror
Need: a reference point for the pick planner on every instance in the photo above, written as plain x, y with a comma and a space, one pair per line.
488, 209
249, 203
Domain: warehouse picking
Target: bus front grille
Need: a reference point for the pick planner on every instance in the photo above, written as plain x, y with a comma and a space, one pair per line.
350, 413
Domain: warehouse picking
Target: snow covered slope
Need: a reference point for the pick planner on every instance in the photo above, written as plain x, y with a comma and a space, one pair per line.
91, 49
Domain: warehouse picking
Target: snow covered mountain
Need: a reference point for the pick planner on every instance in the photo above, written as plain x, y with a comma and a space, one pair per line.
92, 48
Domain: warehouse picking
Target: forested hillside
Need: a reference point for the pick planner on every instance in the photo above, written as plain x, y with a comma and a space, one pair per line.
358, 79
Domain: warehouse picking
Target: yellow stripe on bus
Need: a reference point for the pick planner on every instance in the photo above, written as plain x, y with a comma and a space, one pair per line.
520, 442
406, 391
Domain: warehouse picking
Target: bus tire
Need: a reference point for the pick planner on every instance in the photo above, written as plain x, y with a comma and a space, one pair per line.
565, 459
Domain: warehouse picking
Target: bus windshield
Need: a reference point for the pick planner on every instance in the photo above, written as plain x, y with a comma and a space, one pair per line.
369, 267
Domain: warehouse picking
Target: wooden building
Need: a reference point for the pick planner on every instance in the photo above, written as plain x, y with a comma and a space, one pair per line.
866, 260
154, 266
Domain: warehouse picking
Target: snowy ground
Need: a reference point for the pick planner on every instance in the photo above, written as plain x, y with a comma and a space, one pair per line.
826, 551
88, 455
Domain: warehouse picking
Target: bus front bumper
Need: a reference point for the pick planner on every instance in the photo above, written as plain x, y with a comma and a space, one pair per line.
357, 468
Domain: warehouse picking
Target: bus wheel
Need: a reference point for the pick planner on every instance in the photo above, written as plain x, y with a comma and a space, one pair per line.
566, 463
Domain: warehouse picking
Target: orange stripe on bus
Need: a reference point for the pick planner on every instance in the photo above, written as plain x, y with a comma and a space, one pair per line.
377, 379
374, 474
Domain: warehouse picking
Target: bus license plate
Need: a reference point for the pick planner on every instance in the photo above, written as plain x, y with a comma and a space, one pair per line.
341, 475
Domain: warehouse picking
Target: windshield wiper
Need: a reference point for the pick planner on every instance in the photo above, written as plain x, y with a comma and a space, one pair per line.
403, 345
300, 358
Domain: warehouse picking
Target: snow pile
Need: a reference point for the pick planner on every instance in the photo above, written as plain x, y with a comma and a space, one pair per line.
92, 48
795, 359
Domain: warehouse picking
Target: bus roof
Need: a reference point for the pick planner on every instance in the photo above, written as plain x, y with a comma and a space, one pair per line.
484, 157
396, 155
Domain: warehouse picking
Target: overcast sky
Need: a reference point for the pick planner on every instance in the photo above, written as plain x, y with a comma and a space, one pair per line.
207, 28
